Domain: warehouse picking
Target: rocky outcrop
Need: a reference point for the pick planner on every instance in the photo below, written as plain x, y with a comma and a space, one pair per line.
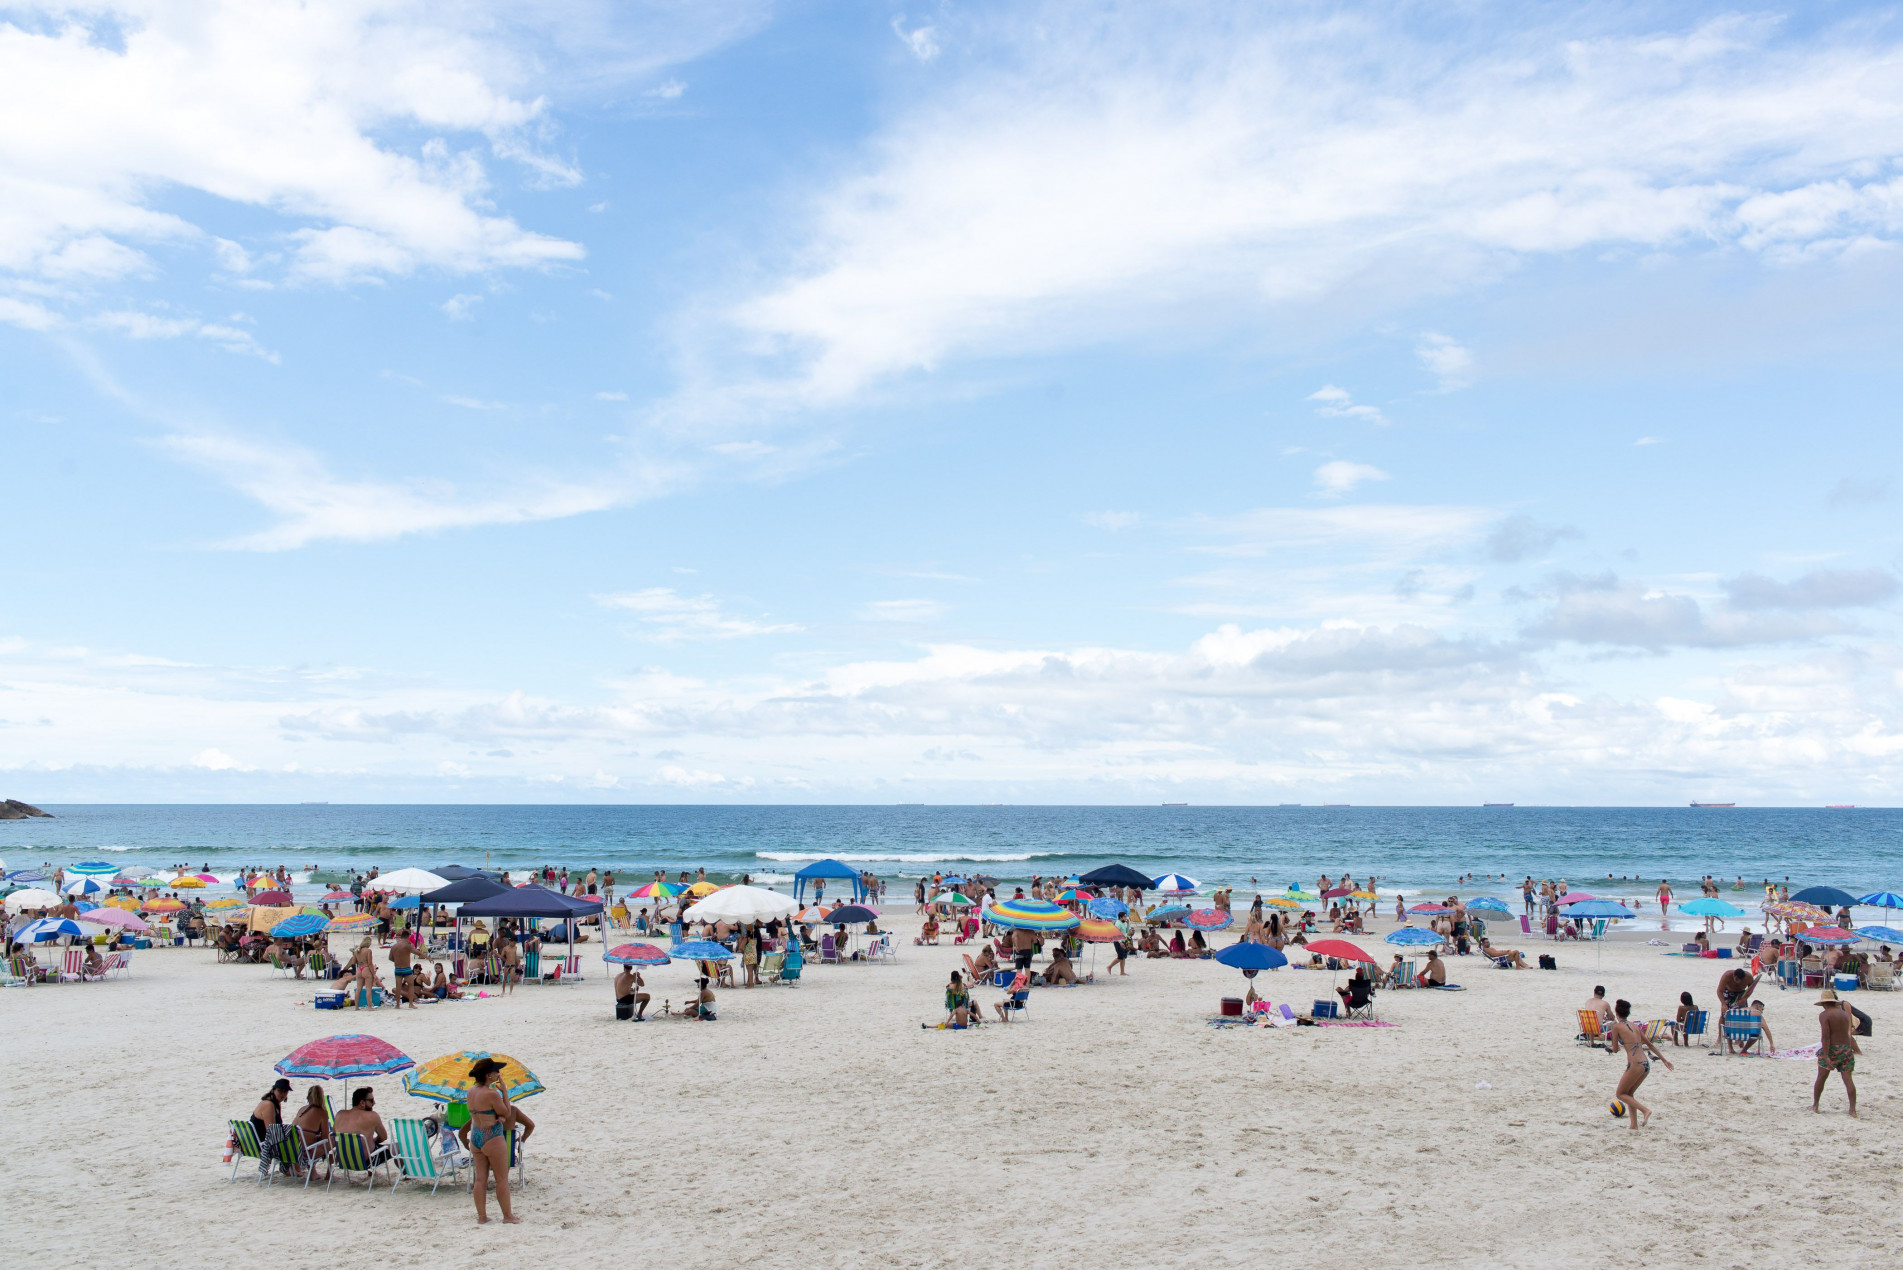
14, 809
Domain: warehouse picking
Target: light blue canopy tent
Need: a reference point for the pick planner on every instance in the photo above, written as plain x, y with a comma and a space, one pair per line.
827, 869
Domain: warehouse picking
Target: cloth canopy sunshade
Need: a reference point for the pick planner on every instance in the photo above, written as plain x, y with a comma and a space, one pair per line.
447, 1079
1028, 914
457, 872
1117, 875
344, 1057
531, 901
742, 904
465, 891
819, 869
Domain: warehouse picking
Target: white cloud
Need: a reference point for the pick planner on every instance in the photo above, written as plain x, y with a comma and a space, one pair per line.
668, 615
1112, 520
1602, 610
922, 40
1337, 403
149, 326
461, 308
902, 611
1649, 441
1446, 359
669, 91
611, 396
471, 403
1340, 476
316, 506
1088, 175
214, 760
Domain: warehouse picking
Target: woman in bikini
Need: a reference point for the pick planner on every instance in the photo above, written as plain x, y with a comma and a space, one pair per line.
487, 1137
1637, 1066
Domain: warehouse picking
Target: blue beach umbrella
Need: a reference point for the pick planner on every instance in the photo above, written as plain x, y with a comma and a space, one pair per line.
1709, 907
1167, 913
50, 928
408, 901
1882, 899
1247, 957
1413, 936
1825, 897
1881, 934
1599, 908
301, 925
1106, 907
1489, 904
83, 886
700, 950
93, 868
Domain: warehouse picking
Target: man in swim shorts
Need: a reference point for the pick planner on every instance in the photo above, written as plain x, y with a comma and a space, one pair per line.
1839, 1049
402, 952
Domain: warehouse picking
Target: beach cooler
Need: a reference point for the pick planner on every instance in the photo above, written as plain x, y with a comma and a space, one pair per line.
1232, 1007
329, 1001
1845, 983
1325, 1009
1725, 954
1003, 978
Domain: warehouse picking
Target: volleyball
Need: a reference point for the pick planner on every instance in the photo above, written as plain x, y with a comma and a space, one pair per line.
1617, 1108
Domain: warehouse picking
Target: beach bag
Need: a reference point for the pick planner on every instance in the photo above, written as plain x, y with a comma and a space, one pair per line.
1548, 962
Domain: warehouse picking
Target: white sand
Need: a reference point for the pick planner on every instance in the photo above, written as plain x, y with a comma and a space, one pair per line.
820, 1126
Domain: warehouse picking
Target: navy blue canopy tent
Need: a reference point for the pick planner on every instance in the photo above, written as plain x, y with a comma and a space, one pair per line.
457, 872
535, 901
466, 891
827, 869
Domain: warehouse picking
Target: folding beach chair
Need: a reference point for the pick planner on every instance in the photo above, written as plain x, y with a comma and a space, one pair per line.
418, 1160
1017, 998
280, 968
1879, 976
1695, 1021
1360, 999
828, 950
770, 965
307, 1147
120, 963
1790, 974
72, 966
283, 1146
1743, 1029
1526, 925
1590, 1032
245, 1135
351, 1152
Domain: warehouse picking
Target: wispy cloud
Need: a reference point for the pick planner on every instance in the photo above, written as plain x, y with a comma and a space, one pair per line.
1338, 477
1649, 441
461, 308
1111, 520
903, 611
922, 40
1338, 403
1445, 359
667, 615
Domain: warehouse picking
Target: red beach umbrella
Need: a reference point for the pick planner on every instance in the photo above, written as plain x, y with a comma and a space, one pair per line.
1340, 949
271, 899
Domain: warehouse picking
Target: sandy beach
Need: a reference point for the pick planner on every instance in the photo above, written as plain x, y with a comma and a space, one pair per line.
821, 1126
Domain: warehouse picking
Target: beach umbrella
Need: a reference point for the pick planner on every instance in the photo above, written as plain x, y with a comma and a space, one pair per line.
83, 886
952, 898
1599, 908
1340, 949
1167, 913
1793, 911
116, 917
351, 922
743, 904
953, 881
848, 915
1488, 904
408, 880
1707, 906
1880, 934
635, 955
1429, 909
1104, 906
82, 907
1249, 958
93, 868
447, 1079
187, 883
1829, 935
1028, 914
1575, 897
49, 928
1363, 895
700, 950
1093, 930
33, 897
227, 903
1074, 895
337, 897
123, 902
1209, 919
1175, 884
1337, 893
1881, 899
702, 888
349, 1056
1282, 901
655, 891
812, 913
299, 926
1413, 936
406, 901
1116, 875
25, 877
164, 904
272, 899
1825, 897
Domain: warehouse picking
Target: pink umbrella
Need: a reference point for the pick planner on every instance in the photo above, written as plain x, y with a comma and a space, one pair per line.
115, 917
338, 897
1574, 897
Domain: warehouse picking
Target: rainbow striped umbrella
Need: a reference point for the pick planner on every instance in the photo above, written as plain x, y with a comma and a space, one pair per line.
1074, 895
447, 1079
1209, 919
344, 1057
1795, 910
300, 925
1094, 930
1029, 914
93, 868
656, 891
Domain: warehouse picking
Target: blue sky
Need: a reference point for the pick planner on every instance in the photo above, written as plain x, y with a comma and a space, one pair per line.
864, 402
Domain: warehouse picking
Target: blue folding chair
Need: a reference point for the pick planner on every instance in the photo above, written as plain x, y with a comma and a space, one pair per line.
1743, 1029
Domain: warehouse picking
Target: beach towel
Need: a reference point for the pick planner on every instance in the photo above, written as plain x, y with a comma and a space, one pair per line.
1802, 1051
1354, 1023
1448, 987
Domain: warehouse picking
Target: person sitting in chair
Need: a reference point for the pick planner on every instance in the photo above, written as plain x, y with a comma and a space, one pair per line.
1060, 970
1349, 993
983, 965
928, 933
1506, 958
1434, 974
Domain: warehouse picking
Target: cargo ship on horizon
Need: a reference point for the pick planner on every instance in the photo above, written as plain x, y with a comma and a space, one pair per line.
1714, 806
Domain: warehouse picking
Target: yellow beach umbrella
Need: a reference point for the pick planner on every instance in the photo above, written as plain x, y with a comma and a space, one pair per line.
224, 905
702, 888
125, 902
187, 883
1363, 895
1282, 901
447, 1079
165, 904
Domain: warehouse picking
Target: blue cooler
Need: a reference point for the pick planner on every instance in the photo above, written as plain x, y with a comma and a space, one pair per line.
1724, 954
1845, 983
1326, 1009
1003, 978
329, 1001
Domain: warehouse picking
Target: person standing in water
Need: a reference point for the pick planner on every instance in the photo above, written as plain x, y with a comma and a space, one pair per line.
1637, 1066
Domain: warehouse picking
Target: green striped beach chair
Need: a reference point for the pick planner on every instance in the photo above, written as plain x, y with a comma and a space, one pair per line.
417, 1157
351, 1152
246, 1136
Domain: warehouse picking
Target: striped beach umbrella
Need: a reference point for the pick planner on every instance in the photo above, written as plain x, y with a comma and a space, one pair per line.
447, 1079
655, 891
165, 904
635, 955
700, 950
1209, 919
1282, 901
349, 923
1829, 935
337, 897
1094, 930
301, 925
1175, 884
1306, 897
345, 1057
93, 868
1074, 895
1029, 914
953, 898
1797, 911
224, 905
84, 886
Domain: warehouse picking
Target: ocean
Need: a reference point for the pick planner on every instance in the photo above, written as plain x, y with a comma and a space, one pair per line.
1412, 850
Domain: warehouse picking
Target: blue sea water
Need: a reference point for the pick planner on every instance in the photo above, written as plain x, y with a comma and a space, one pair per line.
1410, 849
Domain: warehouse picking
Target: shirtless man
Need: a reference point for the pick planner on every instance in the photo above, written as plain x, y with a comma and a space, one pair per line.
1023, 944
1060, 970
1434, 974
1511, 956
1840, 1049
362, 1118
1735, 987
628, 985
402, 959
1598, 1004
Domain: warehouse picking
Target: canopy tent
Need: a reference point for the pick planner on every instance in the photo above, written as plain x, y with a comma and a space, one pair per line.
1117, 875
827, 869
457, 872
537, 901
465, 891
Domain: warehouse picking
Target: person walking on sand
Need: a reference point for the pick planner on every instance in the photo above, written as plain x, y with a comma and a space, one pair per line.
1637, 1065
1839, 1049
